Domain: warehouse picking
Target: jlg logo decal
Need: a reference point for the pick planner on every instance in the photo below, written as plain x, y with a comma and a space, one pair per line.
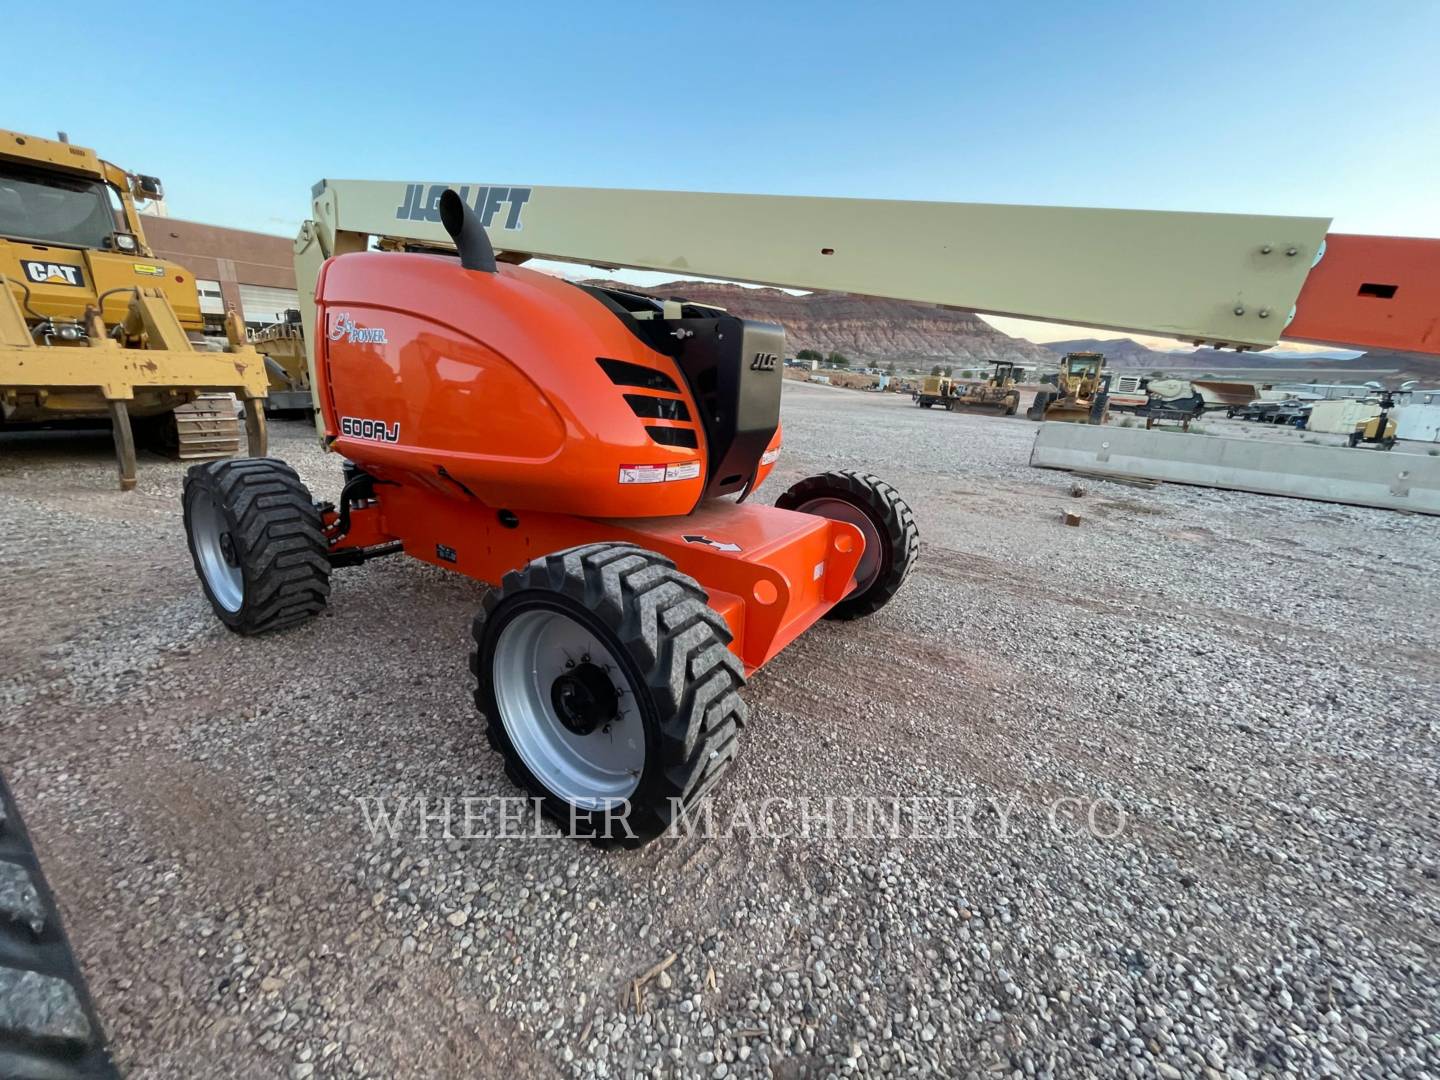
374, 430
422, 203
48, 273
345, 327
764, 361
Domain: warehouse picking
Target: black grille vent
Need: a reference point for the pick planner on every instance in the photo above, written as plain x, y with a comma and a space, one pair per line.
658, 408
624, 373
674, 436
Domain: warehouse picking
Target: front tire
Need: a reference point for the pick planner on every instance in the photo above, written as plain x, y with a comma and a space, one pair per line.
256, 539
892, 541
609, 689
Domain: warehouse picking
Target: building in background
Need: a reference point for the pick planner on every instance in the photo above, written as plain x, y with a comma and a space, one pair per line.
254, 273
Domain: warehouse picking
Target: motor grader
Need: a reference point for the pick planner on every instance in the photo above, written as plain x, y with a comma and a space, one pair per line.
94, 326
593, 453
995, 394
1079, 396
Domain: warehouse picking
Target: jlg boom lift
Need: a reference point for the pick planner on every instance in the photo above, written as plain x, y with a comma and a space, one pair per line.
591, 452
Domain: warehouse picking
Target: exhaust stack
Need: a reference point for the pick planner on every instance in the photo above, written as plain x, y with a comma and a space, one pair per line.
463, 225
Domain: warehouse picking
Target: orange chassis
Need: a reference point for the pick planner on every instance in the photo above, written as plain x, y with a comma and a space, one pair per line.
789, 569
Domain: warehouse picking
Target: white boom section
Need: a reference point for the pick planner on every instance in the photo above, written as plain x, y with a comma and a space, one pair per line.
1224, 279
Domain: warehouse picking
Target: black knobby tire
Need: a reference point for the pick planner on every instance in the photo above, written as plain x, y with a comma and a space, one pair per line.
1012, 403
673, 649
275, 541
894, 526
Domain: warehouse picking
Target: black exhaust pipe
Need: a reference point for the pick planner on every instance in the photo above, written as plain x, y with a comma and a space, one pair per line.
463, 225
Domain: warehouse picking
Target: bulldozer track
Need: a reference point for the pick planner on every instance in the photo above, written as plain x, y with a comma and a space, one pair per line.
48, 1026
207, 428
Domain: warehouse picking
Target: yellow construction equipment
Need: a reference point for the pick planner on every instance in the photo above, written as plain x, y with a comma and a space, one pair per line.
996, 394
1081, 391
282, 344
92, 324
934, 390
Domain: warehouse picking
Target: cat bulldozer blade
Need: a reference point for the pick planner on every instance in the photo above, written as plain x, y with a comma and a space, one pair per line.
590, 452
93, 326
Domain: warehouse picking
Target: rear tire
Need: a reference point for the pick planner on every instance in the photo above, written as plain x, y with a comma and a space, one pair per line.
256, 539
1038, 406
1012, 403
655, 686
884, 519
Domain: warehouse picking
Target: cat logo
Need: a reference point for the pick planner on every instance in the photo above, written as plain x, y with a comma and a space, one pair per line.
764, 361
48, 273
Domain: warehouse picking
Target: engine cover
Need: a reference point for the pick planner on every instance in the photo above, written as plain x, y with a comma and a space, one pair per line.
526, 392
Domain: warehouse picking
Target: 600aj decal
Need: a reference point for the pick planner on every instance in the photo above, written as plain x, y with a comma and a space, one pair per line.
375, 430
49, 273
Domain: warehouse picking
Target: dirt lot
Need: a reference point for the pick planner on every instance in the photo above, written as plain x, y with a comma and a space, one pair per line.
1242, 688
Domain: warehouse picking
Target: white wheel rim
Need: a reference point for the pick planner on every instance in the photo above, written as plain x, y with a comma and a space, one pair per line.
593, 771
212, 542
840, 510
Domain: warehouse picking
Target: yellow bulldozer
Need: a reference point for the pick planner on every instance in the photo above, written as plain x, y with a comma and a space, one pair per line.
996, 394
94, 326
1081, 393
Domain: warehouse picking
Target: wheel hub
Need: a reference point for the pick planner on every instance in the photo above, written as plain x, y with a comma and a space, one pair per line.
227, 550
569, 708
584, 698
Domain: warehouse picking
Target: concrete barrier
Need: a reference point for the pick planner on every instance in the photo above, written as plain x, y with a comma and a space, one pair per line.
1391, 480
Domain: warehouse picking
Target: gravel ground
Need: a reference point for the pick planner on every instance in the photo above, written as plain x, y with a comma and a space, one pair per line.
1242, 690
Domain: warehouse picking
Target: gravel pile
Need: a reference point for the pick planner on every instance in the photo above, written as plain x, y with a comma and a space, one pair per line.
1238, 693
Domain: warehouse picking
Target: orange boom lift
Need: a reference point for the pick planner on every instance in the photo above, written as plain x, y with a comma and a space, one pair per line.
592, 451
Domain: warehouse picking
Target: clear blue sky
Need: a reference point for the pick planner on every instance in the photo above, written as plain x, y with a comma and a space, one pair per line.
1327, 108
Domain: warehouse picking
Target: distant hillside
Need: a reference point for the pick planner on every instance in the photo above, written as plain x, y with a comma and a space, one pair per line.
866, 329
1128, 354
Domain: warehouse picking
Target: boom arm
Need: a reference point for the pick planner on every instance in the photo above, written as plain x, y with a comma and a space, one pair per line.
1223, 279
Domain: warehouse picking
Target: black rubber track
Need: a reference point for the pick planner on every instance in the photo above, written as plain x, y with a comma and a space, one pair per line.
48, 1026
278, 539
659, 623
899, 538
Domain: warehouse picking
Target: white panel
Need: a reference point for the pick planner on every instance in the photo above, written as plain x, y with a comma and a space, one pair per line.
212, 300
262, 304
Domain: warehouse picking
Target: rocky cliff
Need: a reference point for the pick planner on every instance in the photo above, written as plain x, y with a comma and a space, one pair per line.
867, 329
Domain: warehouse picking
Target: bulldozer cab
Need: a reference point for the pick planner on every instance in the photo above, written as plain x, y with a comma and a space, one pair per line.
70, 233
56, 193
1003, 377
